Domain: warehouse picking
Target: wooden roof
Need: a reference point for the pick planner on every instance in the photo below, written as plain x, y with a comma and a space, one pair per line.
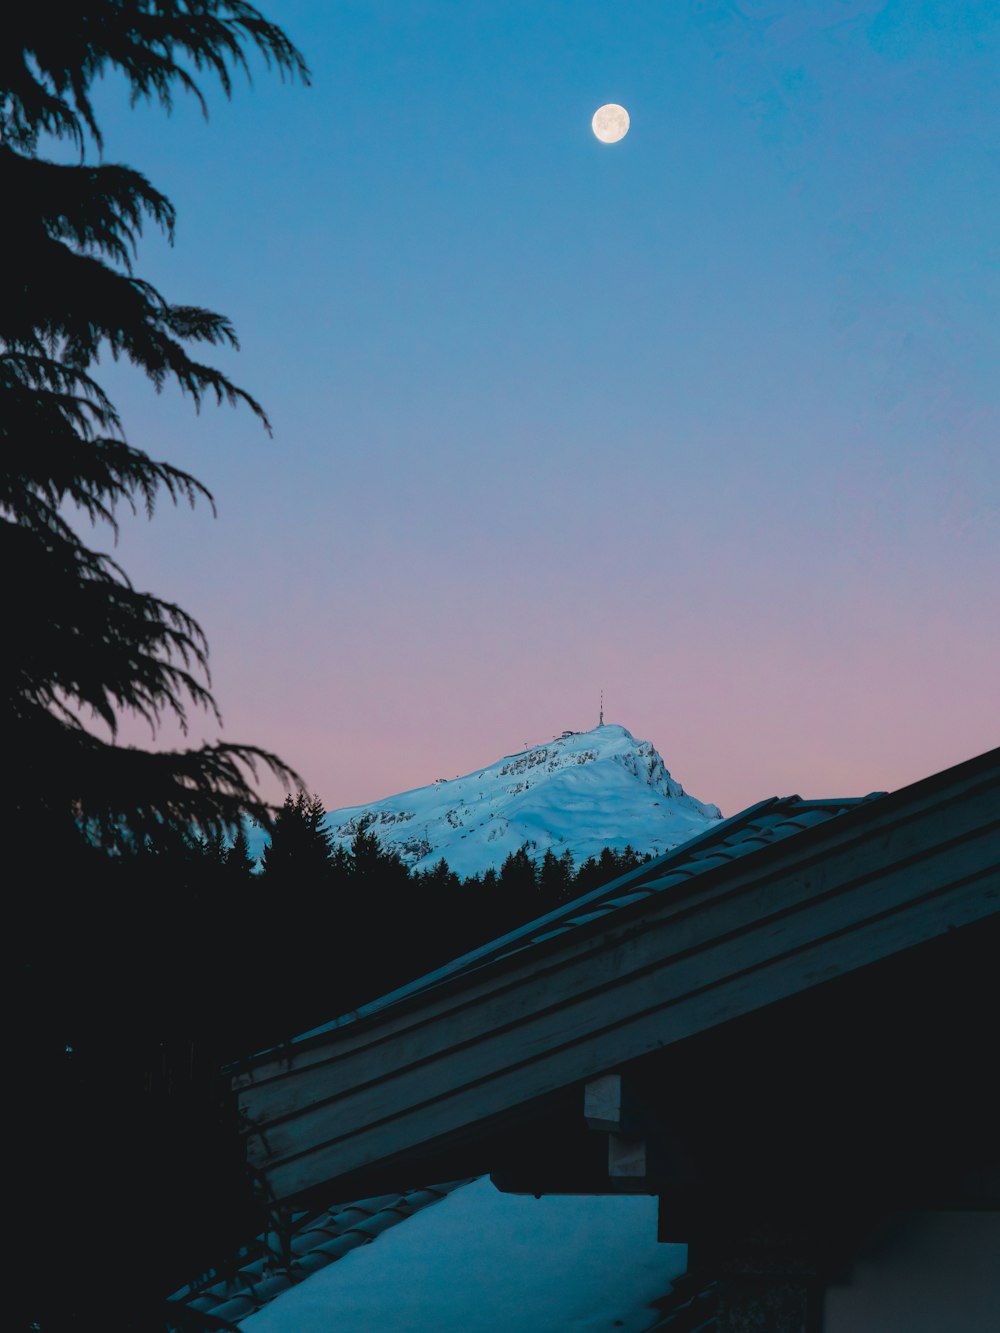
773, 902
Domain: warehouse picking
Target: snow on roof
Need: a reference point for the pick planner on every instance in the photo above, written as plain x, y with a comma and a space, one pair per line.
486, 1261
313, 1243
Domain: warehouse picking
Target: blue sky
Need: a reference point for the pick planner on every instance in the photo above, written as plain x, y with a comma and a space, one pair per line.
707, 418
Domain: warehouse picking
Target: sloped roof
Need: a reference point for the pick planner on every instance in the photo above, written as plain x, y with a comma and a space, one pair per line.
317, 1241
788, 893
759, 826
765, 905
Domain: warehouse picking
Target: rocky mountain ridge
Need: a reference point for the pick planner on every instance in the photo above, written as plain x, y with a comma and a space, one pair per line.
581, 791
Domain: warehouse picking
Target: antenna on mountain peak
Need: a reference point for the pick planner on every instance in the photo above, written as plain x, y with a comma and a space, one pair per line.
601, 722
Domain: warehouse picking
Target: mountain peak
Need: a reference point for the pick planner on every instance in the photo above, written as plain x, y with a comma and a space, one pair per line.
581, 791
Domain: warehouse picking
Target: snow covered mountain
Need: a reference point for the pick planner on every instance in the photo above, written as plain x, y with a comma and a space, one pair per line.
583, 791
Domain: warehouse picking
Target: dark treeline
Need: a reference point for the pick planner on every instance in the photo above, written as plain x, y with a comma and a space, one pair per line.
141, 973
373, 923
194, 942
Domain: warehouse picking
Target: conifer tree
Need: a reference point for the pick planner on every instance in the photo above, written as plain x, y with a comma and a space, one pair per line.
376, 868
607, 865
440, 880
518, 874
628, 859
82, 643
567, 872
341, 863
300, 852
518, 898
83, 647
555, 878
239, 862
214, 850
365, 851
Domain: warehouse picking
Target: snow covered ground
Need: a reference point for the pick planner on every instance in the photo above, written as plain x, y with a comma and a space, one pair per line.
491, 1262
581, 791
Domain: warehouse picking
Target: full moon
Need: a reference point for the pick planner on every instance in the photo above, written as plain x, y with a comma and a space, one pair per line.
610, 122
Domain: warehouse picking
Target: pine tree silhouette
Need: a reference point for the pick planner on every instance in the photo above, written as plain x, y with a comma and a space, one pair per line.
126, 1001
239, 863
82, 643
555, 879
300, 852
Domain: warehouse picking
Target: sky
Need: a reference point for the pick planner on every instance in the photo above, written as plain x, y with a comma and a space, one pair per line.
707, 419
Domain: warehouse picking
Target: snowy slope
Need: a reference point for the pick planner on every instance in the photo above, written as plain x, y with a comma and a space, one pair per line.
582, 791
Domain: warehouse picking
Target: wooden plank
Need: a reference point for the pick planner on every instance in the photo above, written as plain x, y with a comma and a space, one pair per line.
372, 1126
642, 982
694, 978
694, 983
442, 1116
770, 916
932, 796
683, 940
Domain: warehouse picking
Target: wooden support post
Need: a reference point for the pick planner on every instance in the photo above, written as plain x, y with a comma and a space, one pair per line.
609, 1105
627, 1157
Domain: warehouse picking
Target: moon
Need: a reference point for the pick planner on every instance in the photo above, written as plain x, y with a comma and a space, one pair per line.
610, 122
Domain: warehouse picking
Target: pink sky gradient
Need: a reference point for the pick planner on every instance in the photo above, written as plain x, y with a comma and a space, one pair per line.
708, 419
